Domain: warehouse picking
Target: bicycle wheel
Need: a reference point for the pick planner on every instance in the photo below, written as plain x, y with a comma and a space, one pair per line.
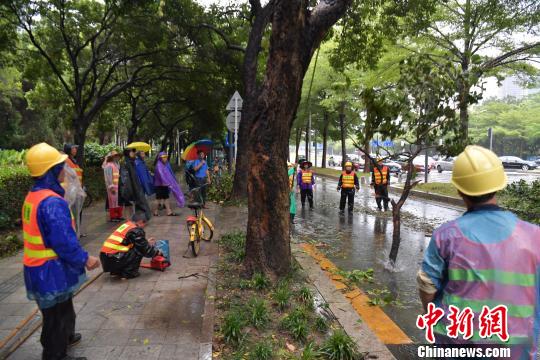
207, 231
194, 239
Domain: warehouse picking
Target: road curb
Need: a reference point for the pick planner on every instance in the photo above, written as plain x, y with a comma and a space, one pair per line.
430, 196
351, 322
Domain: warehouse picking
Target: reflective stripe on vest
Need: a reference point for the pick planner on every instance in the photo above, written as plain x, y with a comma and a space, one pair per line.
482, 273
306, 177
35, 251
76, 168
115, 176
347, 180
113, 244
381, 177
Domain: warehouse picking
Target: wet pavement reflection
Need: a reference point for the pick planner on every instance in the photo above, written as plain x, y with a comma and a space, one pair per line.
363, 239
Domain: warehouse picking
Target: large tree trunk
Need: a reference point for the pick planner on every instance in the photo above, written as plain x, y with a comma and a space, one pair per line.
342, 131
296, 32
367, 162
325, 139
306, 154
251, 92
80, 127
297, 144
463, 101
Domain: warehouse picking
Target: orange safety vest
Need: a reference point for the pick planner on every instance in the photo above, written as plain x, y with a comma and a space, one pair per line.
347, 180
115, 175
35, 251
76, 168
307, 175
113, 244
381, 176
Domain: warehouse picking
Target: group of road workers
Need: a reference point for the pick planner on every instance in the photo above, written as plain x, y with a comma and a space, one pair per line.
485, 263
348, 184
54, 260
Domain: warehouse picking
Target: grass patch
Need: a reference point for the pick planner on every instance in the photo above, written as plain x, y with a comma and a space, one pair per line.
259, 319
333, 172
446, 189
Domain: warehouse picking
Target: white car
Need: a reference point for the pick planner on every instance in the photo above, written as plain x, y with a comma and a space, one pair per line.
445, 164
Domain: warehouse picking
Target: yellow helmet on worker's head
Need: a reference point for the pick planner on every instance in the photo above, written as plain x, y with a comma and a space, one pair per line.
41, 157
290, 164
478, 171
348, 163
379, 159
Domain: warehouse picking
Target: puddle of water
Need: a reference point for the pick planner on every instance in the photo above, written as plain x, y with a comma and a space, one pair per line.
363, 240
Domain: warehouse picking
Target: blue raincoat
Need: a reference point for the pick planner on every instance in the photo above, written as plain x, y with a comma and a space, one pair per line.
145, 178
56, 280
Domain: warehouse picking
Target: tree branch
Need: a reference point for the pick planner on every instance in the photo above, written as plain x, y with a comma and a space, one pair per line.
223, 37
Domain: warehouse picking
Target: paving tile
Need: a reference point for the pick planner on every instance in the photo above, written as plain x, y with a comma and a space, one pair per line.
10, 322
112, 337
152, 322
120, 322
149, 336
98, 352
168, 285
90, 321
149, 352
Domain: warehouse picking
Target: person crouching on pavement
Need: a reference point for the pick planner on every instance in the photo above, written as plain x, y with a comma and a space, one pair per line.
292, 195
122, 252
54, 261
306, 183
348, 182
380, 179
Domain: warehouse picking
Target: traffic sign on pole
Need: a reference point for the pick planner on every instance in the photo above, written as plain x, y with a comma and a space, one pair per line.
231, 120
235, 102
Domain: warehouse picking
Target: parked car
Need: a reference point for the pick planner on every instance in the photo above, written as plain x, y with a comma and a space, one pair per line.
393, 167
513, 162
445, 164
418, 162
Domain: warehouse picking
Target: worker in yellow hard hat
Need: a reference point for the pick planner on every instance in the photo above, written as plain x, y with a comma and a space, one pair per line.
380, 180
54, 261
347, 183
485, 258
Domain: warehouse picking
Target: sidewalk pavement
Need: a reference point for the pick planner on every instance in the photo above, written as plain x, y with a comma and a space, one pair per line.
158, 315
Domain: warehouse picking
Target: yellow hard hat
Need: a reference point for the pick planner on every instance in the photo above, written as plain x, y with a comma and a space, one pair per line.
348, 163
478, 171
41, 157
290, 164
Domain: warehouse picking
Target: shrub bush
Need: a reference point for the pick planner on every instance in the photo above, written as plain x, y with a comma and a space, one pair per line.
95, 153
221, 188
523, 199
9, 245
15, 181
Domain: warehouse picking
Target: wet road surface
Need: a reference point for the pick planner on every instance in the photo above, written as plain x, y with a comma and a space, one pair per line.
363, 239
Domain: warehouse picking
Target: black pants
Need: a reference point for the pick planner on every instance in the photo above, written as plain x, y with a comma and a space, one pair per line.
309, 194
125, 265
347, 194
381, 195
58, 328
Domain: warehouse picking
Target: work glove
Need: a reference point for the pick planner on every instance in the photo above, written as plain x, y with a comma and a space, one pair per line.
338, 188
357, 188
